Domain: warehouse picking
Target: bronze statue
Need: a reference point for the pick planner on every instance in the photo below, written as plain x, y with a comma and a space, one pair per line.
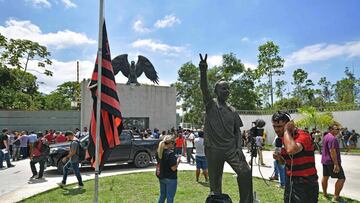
222, 138
132, 72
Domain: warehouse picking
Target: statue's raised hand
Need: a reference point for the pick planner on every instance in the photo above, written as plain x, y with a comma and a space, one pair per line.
203, 64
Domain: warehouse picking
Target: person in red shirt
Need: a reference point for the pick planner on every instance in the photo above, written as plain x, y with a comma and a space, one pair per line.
298, 153
38, 155
60, 138
179, 143
50, 136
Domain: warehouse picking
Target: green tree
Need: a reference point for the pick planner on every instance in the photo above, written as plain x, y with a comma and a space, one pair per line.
279, 88
18, 90
299, 78
61, 98
313, 119
189, 93
232, 70
303, 87
289, 104
18, 53
18, 87
326, 89
270, 64
243, 95
347, 89
263, 93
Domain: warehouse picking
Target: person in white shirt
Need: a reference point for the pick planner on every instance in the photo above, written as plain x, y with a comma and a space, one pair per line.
201, 162
189, 138
84, 133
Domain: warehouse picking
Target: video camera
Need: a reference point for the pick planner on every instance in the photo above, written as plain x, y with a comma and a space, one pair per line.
255, 131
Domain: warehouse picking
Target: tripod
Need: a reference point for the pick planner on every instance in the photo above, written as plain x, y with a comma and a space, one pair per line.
253, 153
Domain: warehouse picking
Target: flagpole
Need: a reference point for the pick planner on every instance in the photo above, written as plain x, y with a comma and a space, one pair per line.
98, 104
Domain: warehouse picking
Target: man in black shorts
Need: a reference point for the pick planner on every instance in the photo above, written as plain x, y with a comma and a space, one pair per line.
332, 162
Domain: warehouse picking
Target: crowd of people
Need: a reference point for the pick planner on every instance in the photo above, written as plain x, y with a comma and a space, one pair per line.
20, 145
294, 164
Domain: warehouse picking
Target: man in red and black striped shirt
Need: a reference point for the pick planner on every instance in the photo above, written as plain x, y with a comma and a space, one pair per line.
298, 154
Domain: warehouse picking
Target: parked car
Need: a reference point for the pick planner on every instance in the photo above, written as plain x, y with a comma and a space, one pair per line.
133, 150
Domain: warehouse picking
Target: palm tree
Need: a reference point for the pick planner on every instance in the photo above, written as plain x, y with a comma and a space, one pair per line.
314, 119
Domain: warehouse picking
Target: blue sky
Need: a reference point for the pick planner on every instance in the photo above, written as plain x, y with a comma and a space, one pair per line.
322, 37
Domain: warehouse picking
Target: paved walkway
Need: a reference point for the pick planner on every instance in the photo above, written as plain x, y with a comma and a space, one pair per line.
18, 186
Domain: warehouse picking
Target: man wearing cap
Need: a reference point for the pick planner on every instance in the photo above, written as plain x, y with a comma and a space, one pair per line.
72, 160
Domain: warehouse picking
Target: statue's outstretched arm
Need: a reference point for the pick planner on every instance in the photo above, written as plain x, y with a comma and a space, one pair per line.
203, 79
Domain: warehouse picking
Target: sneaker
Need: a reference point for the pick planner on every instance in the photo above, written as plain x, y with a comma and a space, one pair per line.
39, 178
11, 166
33, 176
274, 178
61, 184
78, 187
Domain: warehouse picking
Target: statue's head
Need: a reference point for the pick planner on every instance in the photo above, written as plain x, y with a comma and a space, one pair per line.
222, 90
133, 63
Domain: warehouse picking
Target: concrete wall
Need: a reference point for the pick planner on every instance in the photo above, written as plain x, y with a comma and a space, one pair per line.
347, 119
40, 120
158, 103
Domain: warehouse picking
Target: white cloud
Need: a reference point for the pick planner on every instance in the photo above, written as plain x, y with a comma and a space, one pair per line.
26, 30
245, 39
140, 27
40, 3
214, 60
69, 4
167, 21
321, 52
250, 65
66, 71
156, 46
62, 72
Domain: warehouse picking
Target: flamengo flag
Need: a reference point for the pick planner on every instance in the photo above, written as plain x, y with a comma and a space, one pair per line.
111, 120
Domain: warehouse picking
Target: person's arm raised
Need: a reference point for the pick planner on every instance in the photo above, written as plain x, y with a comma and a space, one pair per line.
291, 146
203, 66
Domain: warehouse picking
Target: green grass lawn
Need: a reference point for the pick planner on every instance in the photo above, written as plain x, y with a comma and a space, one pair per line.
144, 188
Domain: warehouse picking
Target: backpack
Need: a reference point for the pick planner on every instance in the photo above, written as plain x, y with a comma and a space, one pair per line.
219, 198
81, 151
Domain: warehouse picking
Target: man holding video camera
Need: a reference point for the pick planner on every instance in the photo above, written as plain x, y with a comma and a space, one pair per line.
298, 153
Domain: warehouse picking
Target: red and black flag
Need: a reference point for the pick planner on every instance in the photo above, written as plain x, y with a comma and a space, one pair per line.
110, 114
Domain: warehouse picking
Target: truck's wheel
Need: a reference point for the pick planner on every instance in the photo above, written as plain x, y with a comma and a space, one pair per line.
142, 160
